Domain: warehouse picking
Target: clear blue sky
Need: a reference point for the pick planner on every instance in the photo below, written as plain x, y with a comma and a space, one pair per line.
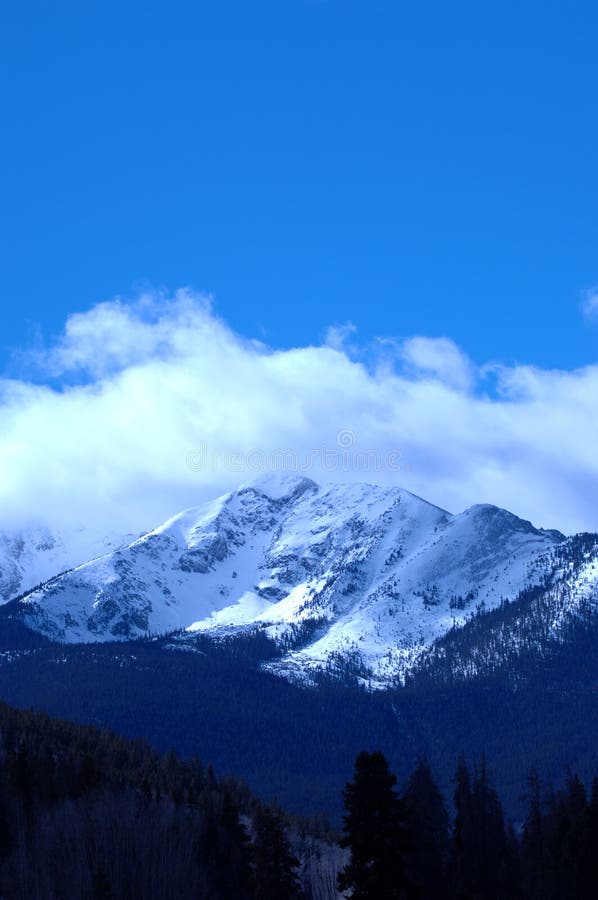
415, 167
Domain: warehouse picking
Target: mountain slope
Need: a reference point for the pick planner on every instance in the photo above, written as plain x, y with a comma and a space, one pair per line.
30, 556
520, 635
364, 572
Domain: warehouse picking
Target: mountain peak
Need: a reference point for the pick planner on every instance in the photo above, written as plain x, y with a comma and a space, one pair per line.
325, 571
498, 517
279, 485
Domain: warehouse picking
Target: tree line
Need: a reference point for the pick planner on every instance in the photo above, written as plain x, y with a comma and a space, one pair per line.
406, 846
86, 814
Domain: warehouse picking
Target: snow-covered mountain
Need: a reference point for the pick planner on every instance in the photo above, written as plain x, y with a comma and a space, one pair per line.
559, 611
356, 571
31, 555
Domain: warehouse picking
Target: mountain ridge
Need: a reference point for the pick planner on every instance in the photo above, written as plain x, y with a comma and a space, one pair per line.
358, 571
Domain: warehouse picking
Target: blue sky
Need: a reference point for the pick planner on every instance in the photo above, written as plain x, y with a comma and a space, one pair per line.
426, 171
415, 168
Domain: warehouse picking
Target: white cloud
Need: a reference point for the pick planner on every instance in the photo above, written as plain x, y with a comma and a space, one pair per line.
173, 401
338, 335
439, 358
589, 304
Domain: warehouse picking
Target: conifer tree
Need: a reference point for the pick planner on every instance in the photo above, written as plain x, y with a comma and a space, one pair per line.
100, 885
275, 867
428, 849
481, 849
375, 833
533, 841
490, 835
463, 831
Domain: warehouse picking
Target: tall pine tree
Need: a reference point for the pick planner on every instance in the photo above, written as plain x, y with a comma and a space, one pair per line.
428, 850
274, 865
481, 863
375, 833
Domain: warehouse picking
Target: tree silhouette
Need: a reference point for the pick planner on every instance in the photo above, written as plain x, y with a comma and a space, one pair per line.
100, 885
274, 864
375, 833
428, 850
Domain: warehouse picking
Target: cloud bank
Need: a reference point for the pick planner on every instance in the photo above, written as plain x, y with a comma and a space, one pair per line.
151, 407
